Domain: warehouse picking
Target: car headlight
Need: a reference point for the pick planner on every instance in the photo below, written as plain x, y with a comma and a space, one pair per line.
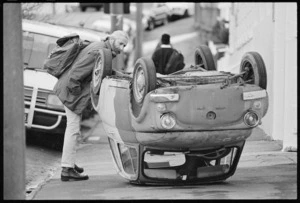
53, 101
251, 119
168, 121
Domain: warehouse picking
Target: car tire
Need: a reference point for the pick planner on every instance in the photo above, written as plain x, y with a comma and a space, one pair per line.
144, 81
165, 21
102, 68
204, 58
256, 73
83, 9
186, 14
151, 25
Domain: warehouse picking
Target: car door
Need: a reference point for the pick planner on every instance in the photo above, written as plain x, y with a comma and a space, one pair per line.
159, 11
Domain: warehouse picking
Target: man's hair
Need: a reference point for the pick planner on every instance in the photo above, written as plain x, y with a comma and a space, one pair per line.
165, 39
119, 34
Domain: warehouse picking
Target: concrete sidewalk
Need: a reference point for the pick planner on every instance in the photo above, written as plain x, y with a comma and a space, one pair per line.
260, 153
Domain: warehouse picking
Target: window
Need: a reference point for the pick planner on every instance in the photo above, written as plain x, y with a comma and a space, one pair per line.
40, 45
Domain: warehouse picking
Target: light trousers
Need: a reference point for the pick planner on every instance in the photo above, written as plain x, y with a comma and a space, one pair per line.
72, 135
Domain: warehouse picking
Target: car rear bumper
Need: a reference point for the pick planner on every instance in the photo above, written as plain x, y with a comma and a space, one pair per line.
193, 139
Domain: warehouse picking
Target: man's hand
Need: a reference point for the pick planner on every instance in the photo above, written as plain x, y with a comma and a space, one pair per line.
75, 90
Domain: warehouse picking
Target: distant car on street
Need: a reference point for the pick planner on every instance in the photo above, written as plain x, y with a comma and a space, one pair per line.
178, 10
43, 110
188, 127
158, 14
84, 6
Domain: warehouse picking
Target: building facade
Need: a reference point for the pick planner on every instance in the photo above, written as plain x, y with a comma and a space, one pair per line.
271, 30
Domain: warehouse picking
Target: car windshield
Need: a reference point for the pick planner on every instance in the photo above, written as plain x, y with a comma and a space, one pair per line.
36, 48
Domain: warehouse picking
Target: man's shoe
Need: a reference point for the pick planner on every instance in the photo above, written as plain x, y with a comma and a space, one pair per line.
71, 174
78, 169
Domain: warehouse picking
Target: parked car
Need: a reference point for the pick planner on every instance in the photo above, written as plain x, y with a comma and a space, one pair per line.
43, 109
84, 6
158, 14
178, 10
188, 127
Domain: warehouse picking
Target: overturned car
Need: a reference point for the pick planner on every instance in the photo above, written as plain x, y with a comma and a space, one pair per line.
188, 127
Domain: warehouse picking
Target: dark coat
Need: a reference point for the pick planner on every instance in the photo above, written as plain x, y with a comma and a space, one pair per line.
73, 87
160, 58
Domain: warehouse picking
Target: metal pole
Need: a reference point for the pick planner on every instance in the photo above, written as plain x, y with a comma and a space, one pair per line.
197, 15
139, 31
53, 9
13, 99
116, 13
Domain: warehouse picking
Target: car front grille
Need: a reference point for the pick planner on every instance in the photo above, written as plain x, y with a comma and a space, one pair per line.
41, 96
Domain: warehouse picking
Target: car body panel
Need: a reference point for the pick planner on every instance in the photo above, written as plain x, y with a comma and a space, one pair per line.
113, 105
39, 79
192, 140
191, 123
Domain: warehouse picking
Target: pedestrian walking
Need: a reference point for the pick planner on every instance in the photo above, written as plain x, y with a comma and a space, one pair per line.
167, 59
73, 89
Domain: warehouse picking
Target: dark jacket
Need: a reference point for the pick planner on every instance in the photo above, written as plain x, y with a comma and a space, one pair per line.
160, 58
73, 87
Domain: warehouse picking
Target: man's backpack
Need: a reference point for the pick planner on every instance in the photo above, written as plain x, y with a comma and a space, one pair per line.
64, 54
175, 62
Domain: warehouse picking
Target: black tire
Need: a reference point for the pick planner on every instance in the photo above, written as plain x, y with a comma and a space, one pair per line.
204, 57
186, 14
151, 25
255, 68
165, 21
144, 81
102, 68
83, 9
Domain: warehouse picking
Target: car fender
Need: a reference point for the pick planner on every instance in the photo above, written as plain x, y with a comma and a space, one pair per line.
39, 79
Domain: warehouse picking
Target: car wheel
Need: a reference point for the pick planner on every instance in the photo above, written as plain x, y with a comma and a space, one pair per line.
204, 58
83, 9
151, 25
186, 14
165, 22
255, 70
102, 68
144, 81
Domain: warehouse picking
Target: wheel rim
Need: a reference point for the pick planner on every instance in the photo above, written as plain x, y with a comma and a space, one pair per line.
186, 13
151, 25
97, 73
249, 72
165, 21
199, 61
139, 84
